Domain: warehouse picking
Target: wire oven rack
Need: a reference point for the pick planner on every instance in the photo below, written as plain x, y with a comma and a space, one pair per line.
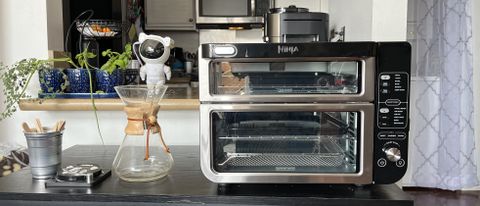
329, 154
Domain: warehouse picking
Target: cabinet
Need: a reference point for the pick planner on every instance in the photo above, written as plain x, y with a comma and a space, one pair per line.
169, 14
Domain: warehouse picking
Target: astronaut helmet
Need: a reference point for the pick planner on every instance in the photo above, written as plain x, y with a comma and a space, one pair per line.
154, 49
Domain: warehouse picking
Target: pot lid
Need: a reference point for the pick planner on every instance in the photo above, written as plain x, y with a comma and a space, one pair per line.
289, 9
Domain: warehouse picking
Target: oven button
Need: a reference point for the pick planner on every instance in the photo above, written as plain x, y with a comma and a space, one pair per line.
400, 163
382, 135
401, 135
384, 110
225, 50
385, 77
382, 162
393, 102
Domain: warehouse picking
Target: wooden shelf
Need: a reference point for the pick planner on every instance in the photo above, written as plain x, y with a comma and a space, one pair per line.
101, 104
176, 98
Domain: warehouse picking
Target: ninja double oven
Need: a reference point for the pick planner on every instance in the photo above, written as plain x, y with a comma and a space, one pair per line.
333, 113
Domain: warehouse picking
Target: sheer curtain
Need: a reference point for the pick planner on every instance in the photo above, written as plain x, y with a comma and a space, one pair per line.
442, 145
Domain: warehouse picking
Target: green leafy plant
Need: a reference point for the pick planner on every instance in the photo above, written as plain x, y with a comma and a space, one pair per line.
16, 78
117, 60
82, 60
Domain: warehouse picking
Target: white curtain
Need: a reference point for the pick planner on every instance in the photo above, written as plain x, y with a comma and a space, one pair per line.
442, 145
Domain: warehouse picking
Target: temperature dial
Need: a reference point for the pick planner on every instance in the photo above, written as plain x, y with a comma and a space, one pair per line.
393, 153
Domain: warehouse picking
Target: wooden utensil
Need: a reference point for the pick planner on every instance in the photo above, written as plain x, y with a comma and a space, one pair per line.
26, 128
38, 124
61, 125
56, 128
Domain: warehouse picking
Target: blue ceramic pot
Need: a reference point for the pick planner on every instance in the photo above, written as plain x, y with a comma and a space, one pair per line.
51, 80
79, 81
106, 82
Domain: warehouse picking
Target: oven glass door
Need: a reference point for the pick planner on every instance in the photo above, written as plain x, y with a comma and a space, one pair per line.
294, 80
314, 139
245, 78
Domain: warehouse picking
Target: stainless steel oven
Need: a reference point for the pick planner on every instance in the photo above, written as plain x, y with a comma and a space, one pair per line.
304, 112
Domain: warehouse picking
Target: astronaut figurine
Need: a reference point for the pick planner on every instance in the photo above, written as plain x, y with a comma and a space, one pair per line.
154, 51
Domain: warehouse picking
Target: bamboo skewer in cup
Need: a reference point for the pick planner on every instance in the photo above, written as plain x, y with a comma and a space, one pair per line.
44, 148
38, 124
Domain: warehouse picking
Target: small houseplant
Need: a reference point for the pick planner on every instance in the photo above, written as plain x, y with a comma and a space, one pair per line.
17, 77
79, 76
52, 80
112, 73
84, 66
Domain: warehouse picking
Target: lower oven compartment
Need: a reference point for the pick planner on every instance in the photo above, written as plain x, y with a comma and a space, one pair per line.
299, 142
287, 143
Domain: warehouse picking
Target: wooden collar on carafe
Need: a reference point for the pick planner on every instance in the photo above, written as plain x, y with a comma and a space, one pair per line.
139, 118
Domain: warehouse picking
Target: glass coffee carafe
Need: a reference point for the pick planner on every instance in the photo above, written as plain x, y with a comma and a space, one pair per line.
143, 155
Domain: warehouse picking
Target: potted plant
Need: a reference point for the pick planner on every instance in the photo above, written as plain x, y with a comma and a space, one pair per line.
81, 80
79, 77
17, 77
112, 73
52, 80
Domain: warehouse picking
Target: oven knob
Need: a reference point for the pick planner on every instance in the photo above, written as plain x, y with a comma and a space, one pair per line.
393, 153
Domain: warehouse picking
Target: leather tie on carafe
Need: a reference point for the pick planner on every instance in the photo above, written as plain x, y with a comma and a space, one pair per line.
140, 118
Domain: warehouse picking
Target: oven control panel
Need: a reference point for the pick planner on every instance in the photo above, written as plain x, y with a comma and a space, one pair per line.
392, 124
392, 94
392, 103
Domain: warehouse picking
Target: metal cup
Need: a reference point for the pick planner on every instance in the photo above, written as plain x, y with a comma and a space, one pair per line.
45, 153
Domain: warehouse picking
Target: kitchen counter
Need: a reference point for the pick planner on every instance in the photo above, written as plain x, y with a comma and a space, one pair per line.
176, 98
185, 185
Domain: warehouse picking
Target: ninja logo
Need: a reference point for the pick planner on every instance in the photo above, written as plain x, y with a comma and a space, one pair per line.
287, 49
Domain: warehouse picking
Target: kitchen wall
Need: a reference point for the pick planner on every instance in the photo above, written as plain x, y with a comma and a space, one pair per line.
23, 33
367, 20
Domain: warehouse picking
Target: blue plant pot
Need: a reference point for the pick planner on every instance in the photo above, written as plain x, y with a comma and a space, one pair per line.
106, 82
51, 80
79, 81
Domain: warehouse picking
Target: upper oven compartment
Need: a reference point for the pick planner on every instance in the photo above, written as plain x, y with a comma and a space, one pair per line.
279, 77
290, 80
304, 72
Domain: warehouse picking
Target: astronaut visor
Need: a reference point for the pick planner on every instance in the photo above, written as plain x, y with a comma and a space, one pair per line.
151, 49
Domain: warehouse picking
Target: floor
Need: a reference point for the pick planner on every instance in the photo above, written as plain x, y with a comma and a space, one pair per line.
437, 197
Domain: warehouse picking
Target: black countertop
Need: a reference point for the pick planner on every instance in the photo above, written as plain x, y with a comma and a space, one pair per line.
185, 185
